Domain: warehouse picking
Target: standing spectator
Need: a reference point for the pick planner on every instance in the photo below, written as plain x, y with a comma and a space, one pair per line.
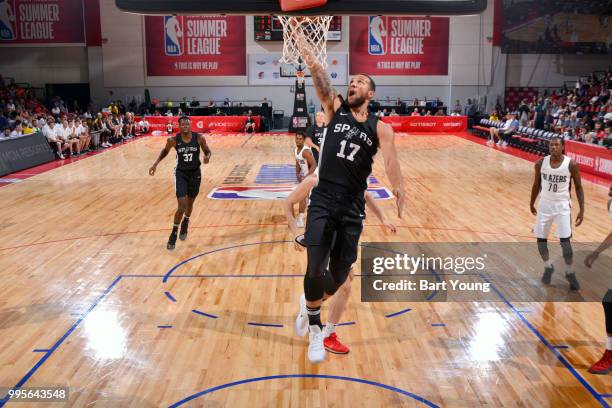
457, 108
523, 112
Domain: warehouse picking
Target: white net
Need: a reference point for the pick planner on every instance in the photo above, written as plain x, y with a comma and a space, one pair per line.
312, 31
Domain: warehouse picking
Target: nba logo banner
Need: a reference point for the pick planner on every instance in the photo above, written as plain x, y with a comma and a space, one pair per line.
195, 45
377, 35
42, 22
173, 35
398, 45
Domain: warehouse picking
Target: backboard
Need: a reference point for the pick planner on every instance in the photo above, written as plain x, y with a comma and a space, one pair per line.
333, 7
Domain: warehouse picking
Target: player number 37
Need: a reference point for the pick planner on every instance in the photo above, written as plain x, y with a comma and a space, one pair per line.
351, 156
187, 157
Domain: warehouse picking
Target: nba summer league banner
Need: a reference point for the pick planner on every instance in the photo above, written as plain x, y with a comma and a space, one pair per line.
195, 46
479, 272
41, 22
386, 45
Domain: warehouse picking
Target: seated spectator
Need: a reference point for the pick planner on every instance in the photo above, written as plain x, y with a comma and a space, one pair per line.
71, 138
428, 113
384, 112
6, 133
415, 112
439, 112
49, 131
195, 103
249, 124
143, 126
82, 133
494, 116
504, 133
226, 102
129, 128
99, 125
169, 113
393, 113
219, 112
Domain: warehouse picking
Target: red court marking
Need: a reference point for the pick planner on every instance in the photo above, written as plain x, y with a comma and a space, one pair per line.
110, 234
513, 151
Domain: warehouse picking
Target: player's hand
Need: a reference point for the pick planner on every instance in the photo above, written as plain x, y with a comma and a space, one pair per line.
206, 159
588, 261
390, 227
579, 218
533, 209
400, 198
152, 170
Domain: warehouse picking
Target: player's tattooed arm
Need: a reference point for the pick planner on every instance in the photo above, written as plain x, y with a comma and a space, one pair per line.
537, 185
170, 143
575, 172
320, 77
204, 147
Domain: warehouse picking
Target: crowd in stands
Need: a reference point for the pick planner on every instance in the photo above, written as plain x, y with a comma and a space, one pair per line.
582, 113
70, 131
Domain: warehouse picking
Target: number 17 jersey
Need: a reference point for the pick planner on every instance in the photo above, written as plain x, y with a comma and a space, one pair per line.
348, 152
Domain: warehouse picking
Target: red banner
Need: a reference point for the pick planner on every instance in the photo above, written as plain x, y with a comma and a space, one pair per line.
590, 158
201, 123
427, 123
386, 45
195, 45
41, 22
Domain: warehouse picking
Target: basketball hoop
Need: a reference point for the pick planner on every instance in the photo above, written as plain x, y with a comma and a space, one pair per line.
313, 29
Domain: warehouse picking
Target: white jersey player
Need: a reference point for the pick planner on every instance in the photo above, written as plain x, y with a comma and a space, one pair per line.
305, 165
554, 175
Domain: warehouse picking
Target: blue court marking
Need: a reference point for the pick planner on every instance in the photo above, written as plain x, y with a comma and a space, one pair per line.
205, 314
329, 377
44, 358
401, 312
606, 395
167, 326
41, 350
438, 325
546, 343
169, 295
346, 324
276, 174
561, 347
264, 324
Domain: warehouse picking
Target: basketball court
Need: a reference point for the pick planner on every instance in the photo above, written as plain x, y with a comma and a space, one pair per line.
93, 302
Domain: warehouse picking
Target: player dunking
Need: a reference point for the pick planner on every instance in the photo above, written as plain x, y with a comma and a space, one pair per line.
187, 172
553, 180
337, 204
604, 365
305, 165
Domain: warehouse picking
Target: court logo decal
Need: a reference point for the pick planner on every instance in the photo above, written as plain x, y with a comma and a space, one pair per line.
274, 193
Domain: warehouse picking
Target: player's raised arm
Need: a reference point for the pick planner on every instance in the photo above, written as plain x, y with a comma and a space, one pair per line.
537, 186
320, 77
575, 171
392, 167
170, 142
204, 147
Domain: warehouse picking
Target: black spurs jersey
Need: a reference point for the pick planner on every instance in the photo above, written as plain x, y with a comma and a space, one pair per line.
187, 154
348, 151
316, 133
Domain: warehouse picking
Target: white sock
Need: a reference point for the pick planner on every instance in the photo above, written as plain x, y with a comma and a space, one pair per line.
609, 343
329, 329
548, 264
569, 271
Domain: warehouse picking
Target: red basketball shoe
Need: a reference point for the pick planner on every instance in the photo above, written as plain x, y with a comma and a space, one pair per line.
603, 366
333, 345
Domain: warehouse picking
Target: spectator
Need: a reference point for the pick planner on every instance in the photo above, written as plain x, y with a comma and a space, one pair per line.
523, 112
415, 112
6, 133
196, 104
504, 133
393, 113
169, 113
82, 133
249, 124
457, 108
49, 132
71, 138
17, 130
494, 116
143, 126
439, 112
226, 102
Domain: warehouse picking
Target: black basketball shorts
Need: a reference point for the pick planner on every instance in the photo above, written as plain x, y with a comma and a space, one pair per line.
188, 183
335, 221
